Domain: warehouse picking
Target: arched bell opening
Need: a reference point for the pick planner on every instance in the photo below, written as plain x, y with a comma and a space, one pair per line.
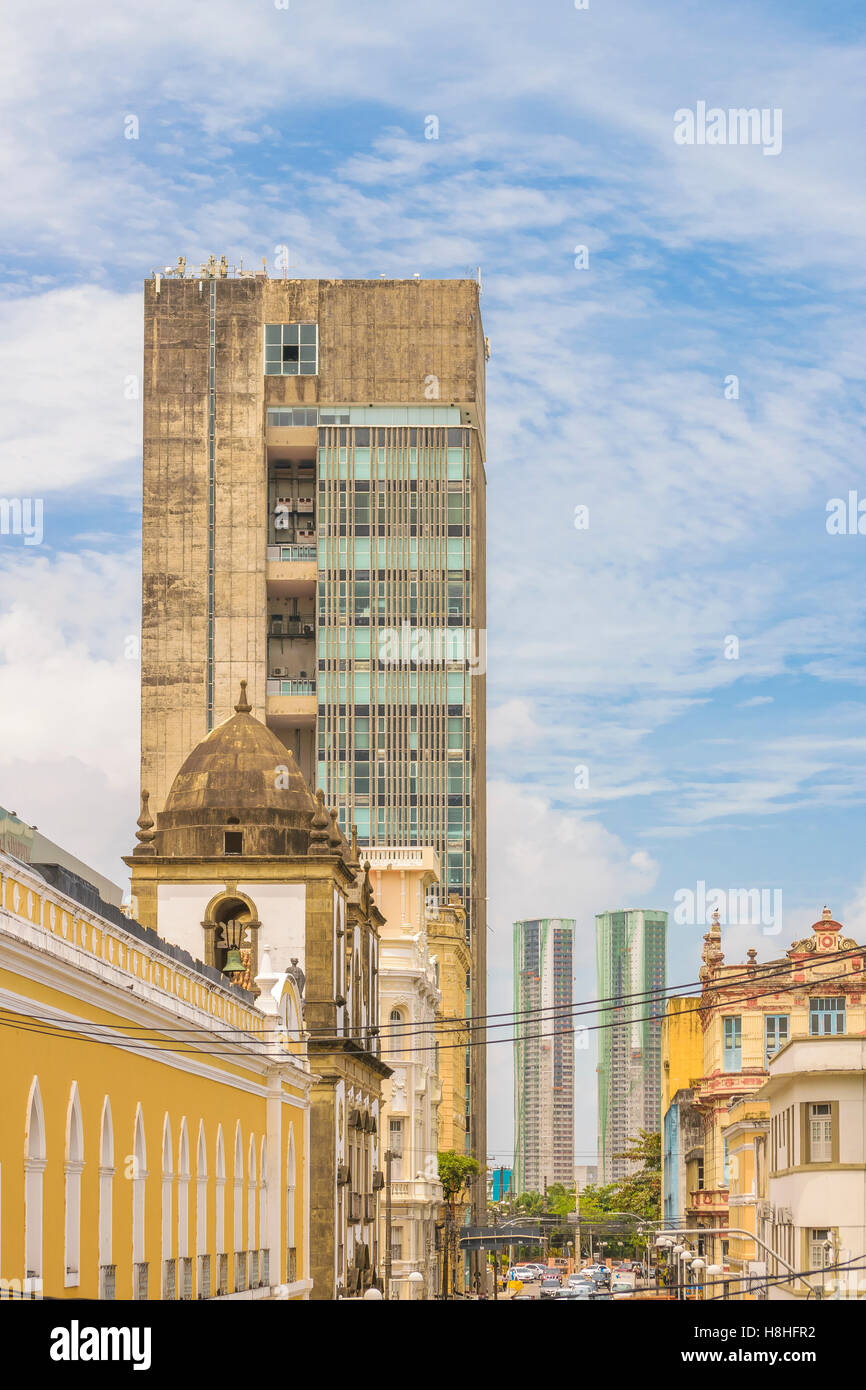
231, 932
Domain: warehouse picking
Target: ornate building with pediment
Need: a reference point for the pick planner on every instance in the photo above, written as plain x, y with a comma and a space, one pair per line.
748, 1013
409, 1000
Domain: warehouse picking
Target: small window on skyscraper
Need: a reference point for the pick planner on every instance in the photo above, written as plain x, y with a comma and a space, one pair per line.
291, 349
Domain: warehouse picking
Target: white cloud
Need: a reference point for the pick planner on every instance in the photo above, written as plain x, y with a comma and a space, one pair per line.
512, 723
545, 863
66, 359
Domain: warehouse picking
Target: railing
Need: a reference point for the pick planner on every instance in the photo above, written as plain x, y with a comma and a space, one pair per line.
240, 1270
186, 1277
291, 552
204, 1276
265, 1259
107, 1281
222, 1274
254, 1269
139, 1281
291, 1264
291, 687
169, 1279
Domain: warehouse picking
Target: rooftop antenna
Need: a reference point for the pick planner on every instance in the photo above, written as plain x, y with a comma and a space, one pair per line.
479, 279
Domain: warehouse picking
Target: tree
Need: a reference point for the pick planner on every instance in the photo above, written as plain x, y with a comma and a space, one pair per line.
456, 1172
641, 1191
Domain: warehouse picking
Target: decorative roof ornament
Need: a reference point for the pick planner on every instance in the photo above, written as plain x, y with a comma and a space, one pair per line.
319, 826
335, 839
144, 834
297, 975
243, 705
712, 954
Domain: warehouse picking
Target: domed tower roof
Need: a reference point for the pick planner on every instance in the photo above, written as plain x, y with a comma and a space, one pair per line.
240, 781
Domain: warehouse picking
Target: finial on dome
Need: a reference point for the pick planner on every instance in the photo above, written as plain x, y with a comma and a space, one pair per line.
827, 914
319, 826
243, 705
144, 834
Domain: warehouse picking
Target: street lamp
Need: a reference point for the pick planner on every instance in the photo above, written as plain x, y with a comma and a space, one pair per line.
415, 1279
699, 1264
373, 1293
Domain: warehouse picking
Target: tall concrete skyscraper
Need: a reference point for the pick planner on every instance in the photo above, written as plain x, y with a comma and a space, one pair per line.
314, 523
630, 957
543, 1054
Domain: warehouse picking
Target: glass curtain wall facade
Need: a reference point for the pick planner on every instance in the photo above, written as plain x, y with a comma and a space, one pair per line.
630, 956
543, 1054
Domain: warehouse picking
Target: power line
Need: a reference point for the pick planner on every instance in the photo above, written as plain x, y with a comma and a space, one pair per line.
317, 1047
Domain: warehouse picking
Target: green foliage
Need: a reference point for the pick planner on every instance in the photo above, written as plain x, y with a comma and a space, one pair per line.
456, 1172
641, 1193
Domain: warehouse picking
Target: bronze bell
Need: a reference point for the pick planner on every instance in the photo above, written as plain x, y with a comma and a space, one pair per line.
234, 933
233, 961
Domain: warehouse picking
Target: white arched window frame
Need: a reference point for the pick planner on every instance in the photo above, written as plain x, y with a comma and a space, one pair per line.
201, 1193
220, 1214
34, 1168
139, 1193
72, 1169
264, 1241
238, 1204
251, 1196
106, 1192
167, 1190
290, 1203
183, 1192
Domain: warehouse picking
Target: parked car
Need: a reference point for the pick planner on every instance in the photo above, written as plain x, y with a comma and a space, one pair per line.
550, 1287
527, 1274
576, 1279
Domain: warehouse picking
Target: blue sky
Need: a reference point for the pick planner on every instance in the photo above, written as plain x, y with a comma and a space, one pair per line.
260, 126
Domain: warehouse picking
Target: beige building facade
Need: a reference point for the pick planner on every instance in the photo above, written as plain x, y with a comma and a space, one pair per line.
402, 878
314, 521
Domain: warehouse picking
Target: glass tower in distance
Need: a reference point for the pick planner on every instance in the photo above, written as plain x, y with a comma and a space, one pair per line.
630, 958
543, 1054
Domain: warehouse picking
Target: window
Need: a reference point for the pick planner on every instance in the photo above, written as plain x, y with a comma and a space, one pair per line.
826, 1015
73, 1167
106, 1186
34, 1166
291, 349
397, 1243
395, 1136
234, 842
733, 1043
820, 1248
820, 1133
776, 1034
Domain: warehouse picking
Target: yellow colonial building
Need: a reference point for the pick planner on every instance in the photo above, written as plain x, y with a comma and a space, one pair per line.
155, 1134
749, 1014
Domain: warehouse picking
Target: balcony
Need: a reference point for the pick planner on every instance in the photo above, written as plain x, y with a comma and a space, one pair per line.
291, 702
292, 570
369, 1207
354, 1207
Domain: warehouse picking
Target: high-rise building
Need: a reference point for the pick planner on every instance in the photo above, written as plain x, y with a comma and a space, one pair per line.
543, 1054
313, 521
630, 957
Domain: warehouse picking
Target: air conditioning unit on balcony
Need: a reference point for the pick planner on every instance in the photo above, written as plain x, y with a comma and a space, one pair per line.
278, 671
